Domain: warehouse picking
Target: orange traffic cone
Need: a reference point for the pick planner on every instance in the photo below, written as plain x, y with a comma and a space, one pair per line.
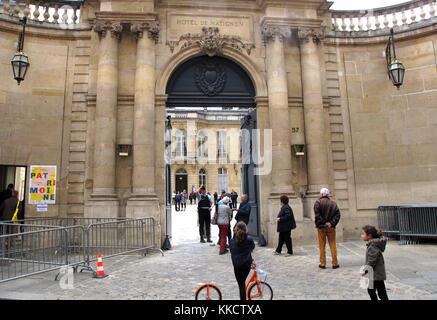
100, 273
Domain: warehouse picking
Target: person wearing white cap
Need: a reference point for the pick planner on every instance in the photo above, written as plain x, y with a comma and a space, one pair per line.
327, 216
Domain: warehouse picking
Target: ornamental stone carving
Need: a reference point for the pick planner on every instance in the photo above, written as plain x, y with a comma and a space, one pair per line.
210, 78
152, 29
270, 32
102, 27
307, 34
211, 42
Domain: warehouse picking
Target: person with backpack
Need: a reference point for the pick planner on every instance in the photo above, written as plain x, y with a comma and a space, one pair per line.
204, 207
241, 246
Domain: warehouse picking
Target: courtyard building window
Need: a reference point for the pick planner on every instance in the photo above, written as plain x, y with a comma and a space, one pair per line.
222, 179
202, 178
180, 144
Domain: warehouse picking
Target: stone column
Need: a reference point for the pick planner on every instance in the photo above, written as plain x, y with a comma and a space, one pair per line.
143, 201
315, 131
278, 108
104, 198
281, 175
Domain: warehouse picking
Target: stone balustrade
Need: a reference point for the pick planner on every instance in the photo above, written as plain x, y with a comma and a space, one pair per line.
401, 17
63, 13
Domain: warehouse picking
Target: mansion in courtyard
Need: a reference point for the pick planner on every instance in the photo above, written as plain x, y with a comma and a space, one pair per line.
127, 101
195, 135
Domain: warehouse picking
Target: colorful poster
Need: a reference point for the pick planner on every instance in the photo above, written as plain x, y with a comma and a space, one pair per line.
42, 185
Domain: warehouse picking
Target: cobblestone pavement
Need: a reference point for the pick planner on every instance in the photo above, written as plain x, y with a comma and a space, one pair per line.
177, 274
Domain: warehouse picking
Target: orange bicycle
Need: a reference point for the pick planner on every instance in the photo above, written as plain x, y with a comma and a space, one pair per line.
255, 289
208, 291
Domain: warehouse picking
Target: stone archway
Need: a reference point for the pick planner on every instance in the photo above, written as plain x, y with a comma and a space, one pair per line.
233, 60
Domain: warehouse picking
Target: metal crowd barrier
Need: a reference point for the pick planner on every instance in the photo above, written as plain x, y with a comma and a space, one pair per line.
29, 249
408, 222
36, 250
417, 221
388, 220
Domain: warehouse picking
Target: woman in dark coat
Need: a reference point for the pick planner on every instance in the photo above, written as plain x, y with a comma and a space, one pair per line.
286, 223
241, 246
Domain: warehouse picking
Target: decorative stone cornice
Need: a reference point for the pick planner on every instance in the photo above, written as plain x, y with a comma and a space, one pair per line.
211, 42
270, 32
102, 27
307, 34
152, 29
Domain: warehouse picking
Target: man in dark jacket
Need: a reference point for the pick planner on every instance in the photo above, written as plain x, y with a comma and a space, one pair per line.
234, 197
243, 212
8, 207
7, 193
286, 223
327, 216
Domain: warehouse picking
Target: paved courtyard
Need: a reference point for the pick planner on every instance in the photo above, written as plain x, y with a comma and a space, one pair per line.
411, 272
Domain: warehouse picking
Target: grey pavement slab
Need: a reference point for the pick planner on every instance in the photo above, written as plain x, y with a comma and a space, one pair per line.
411, 272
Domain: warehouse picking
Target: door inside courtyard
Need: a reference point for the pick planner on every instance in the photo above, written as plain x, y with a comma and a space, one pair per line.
210, 116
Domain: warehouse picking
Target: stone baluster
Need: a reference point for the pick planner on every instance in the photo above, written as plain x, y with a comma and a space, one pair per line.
26, 10
335, 24
361, 24
369, 23
422, 12
404, 17
413, 15
46, 14
16, 9
377, 23
64, 18
385, 21
395, 19
352, 24
36, 12
75, 15
56, 14
343, 24
6, 7
315, 133
432, 10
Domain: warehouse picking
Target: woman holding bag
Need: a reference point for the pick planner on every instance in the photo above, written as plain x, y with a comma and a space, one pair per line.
224, 216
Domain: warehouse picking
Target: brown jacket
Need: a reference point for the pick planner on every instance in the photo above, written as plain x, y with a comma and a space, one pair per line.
326, 210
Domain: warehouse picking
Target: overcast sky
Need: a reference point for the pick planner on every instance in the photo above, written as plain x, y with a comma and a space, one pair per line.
360, 4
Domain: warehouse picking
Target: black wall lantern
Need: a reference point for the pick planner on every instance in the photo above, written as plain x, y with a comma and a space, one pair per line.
20, 61
395, 68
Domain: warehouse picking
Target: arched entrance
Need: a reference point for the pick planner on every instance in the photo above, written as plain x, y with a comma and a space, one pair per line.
215, 82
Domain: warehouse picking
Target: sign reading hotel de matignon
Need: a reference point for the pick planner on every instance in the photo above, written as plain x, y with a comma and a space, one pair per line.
179, 24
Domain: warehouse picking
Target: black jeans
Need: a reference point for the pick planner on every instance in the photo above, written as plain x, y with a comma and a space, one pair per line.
285, 237
378, 285
204, 221
241, 274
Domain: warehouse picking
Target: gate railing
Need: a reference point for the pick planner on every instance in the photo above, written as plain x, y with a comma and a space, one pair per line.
31, 248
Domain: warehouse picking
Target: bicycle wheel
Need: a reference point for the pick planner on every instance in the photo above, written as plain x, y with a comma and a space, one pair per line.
266, 291
214, 293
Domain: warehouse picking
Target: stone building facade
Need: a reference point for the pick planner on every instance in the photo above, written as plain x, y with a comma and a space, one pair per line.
98, 80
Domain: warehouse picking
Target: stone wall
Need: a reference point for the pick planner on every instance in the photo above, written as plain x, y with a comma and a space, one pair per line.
392, 149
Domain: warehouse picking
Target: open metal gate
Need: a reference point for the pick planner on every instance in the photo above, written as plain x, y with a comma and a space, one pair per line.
249, 180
